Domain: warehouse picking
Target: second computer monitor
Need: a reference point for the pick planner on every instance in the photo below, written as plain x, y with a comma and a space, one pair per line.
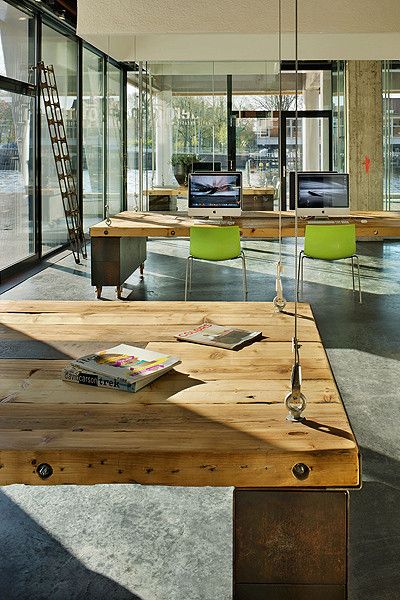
319, 193
215, 194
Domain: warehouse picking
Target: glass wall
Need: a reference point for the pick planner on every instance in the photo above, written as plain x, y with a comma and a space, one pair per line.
255, 105
229, 115
93, 137
17, 190
133, 141
96, 119
17, 240
184, 111
114, 162
61, 52
15, 27
391, 135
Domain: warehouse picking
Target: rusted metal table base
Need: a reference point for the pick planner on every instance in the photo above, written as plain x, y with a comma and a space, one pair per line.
290, 545
114, 259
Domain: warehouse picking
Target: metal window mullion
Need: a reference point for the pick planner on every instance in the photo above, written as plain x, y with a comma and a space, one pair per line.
79, 133
231, 124
38, 143
105, 137
124, 126
148, 90
140, 137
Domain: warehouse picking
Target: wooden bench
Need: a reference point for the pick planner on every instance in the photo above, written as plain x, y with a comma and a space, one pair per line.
217, 420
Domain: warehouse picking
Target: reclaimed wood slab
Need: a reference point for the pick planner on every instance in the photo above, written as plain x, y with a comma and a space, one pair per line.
217, 419
182, 191
261, 224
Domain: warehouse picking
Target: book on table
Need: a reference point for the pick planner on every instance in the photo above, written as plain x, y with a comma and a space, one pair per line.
221, 336
122, 367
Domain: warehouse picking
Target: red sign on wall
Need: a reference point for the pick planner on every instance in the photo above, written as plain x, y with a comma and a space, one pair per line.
367, 164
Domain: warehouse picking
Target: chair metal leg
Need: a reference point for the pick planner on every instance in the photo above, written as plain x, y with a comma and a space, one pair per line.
359, 278
245, 290
188, 274
352, 272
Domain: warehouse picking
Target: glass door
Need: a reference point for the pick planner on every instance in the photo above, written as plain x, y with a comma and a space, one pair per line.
256, 137
314, 145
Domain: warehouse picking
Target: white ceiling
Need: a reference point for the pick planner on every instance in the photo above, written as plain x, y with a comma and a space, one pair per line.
230, 16
212, 30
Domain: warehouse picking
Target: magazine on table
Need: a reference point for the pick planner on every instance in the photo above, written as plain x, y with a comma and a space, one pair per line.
221, 336
122, 367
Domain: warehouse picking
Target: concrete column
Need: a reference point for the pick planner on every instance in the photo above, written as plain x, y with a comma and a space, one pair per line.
325, 100
310, 135
164, 176
365, 134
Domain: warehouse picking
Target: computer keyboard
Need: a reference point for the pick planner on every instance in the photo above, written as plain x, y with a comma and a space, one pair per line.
214, 222
329, 222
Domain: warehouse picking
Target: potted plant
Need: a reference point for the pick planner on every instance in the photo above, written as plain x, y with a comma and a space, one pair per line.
182, 164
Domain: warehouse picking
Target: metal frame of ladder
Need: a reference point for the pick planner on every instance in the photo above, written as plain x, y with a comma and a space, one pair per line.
59, 144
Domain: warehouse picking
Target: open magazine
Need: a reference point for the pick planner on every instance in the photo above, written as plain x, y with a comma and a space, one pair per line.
230, 338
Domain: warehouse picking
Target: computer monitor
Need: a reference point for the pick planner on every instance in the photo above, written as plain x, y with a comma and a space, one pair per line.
292, 186
206, 166
215, 194
319, 193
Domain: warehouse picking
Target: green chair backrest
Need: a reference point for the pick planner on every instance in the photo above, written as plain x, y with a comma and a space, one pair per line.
215, 243
330, 242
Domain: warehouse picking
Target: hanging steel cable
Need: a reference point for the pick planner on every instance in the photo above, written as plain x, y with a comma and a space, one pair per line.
279, 300
295, 401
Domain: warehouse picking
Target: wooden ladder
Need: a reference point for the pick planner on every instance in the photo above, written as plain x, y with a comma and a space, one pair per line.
59, 144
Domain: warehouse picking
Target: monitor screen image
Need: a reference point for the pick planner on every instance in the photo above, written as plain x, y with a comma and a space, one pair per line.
320, 193
215, 192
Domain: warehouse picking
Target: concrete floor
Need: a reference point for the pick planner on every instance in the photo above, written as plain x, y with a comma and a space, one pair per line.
120, 542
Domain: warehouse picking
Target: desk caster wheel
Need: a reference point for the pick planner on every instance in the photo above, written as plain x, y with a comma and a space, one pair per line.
118, 290
98, 291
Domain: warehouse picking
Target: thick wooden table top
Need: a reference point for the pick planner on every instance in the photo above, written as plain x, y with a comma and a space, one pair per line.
217, 419
261, 224
182, 191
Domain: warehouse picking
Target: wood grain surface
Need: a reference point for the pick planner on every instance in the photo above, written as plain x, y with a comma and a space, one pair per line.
182, 191
217, 419
261, 224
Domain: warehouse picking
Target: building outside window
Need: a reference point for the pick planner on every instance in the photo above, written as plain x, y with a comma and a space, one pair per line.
93, 103
16, 178
114, 173
391, 135
17, 191
25, 192
60, 51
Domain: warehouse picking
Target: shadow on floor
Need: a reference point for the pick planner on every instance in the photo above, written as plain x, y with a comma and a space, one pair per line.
375, 530
33, 562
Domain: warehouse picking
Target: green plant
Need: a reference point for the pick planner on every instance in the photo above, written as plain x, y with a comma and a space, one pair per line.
183, 159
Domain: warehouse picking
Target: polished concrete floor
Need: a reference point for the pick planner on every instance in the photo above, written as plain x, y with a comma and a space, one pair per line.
120, 542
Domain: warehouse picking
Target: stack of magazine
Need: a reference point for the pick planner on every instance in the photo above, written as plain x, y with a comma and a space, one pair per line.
122, 367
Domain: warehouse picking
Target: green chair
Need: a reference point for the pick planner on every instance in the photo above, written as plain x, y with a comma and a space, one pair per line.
216, 244
329, 242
